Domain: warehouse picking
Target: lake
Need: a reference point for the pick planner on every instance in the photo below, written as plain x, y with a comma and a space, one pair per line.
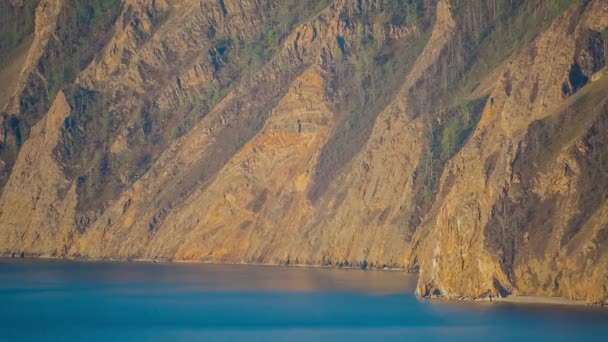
46, 300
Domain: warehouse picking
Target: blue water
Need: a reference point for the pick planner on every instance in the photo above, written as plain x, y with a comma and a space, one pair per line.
59, 301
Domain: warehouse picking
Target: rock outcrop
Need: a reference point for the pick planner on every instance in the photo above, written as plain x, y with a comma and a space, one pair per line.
39, 188
516, 204
465, 140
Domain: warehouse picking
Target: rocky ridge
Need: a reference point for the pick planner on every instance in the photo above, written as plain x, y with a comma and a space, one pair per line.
438, 136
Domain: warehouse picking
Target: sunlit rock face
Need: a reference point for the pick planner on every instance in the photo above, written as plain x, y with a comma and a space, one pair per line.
464, 140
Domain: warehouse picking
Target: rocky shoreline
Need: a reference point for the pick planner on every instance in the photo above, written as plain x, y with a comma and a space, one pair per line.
513, 299
519, 299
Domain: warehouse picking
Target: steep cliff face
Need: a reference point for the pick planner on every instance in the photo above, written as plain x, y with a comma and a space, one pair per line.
49, 49
41, 190
238, 189
463, 139
520, 206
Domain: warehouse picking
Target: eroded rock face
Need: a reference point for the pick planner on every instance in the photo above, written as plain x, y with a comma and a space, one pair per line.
346, 134
45, 23
38, 186
512, 213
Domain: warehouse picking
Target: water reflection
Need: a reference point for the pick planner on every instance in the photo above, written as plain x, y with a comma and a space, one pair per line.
207, 277
56, 301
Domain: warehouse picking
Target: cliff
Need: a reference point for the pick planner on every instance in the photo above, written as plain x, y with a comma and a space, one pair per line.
464, 140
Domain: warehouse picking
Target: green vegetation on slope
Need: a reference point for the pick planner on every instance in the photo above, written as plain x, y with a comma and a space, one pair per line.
511, 26
83, 27
252, 54
365, 78
488, 33
16, 24
236, 58
81, 147
91, 129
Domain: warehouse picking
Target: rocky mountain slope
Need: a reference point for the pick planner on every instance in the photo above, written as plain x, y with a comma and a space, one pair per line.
461, 139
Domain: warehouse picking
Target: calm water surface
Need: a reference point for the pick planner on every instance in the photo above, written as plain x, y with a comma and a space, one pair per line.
56, 300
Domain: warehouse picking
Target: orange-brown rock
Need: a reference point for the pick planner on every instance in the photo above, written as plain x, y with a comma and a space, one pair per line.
450, 137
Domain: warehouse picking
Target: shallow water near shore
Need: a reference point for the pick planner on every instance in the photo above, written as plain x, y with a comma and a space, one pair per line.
51, 300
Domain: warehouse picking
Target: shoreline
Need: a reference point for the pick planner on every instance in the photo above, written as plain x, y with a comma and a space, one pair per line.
511, 299
194, 262
520, 300
547, 301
